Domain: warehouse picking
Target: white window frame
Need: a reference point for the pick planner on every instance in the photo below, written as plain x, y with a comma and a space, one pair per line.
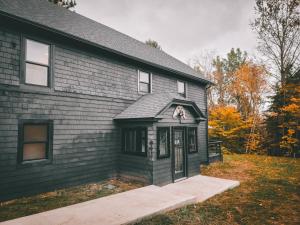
185, 88
25, 61
150, 80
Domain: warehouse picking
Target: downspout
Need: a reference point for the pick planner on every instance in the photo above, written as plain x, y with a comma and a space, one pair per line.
206, 111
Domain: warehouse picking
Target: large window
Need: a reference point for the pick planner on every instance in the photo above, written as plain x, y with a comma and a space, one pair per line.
144, 82
35, 139
163, 142
37, 63
181, 88
135, 141
192, 139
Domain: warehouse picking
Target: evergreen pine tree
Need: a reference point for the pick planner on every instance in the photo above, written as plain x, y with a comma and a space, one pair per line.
283, 118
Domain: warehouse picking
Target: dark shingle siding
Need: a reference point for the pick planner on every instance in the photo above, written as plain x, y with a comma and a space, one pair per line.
86, 143
162, 173
9, 58
93, 75
81, 72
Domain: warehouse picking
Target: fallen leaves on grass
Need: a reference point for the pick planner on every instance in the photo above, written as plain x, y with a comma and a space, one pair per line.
269, 194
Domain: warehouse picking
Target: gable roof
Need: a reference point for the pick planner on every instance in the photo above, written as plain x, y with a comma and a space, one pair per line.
150, 106
65, 22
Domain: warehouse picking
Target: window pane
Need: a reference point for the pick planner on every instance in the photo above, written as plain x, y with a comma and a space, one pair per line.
143, 141
192, 139
36, 74
144, 87
163, 142
34, 151
35, 133
127, 141
181, 87
144, 77
135, 140
37, 52
130, 141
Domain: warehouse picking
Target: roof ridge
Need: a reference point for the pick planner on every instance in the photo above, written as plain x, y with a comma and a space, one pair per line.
82, 28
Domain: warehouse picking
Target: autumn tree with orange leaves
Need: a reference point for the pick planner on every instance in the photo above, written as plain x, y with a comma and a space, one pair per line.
247, 88
235, 102
236, 99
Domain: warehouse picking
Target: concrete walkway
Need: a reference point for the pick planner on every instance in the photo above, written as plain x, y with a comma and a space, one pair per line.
131, 206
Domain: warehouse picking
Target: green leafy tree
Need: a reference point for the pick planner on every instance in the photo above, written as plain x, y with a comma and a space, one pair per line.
235, 59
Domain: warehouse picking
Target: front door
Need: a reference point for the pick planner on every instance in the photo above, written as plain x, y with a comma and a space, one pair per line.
179, 153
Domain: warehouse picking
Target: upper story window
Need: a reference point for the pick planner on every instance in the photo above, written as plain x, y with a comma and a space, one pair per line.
35, 140
37, 60
144, 82
181, 88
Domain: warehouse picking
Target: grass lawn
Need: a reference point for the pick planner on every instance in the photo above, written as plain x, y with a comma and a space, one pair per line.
63, 197
269, 194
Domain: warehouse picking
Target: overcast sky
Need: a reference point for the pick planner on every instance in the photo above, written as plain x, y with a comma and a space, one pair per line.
184, 28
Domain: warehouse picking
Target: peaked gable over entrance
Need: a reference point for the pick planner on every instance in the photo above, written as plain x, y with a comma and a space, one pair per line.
153, 107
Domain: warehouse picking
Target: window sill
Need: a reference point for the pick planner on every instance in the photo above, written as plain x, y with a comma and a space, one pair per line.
193, 152
38, 162
163, 157
135, 154
143, 93
33, 87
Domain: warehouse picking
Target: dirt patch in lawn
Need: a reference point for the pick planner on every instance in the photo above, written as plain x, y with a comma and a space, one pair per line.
63, 197
269, 194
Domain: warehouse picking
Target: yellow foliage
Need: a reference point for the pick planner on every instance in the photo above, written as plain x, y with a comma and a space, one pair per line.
247, 86
226, 124
291, 108
288, 142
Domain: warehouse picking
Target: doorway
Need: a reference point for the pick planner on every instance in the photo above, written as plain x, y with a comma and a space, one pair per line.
179, 168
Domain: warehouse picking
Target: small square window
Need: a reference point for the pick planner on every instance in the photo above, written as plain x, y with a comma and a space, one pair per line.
181, 86
144, 82
163, 142
37, 63
34, 140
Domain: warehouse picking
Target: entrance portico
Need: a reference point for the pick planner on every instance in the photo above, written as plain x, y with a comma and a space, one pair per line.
160, 140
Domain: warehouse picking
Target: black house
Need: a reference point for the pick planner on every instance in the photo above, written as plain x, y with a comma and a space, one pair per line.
81, 102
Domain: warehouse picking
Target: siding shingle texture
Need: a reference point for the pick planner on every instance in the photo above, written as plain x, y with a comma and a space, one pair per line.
89, 91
